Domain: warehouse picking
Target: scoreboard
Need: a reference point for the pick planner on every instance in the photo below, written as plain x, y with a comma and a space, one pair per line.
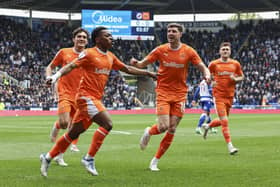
127, 25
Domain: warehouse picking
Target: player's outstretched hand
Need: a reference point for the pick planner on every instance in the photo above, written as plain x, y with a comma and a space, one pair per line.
232, 77
52, 79
48, 81
133, 61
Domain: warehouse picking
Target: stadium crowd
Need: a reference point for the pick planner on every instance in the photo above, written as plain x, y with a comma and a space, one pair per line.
261, 66
24, 55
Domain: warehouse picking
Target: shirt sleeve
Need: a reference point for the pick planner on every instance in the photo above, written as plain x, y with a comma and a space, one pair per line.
238, 71
195, 58
117, 64
153, 55
211, 68
57, 60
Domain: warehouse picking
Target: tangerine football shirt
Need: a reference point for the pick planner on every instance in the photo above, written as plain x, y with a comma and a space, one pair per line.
68, 84
173, 68
96, 67
221, 71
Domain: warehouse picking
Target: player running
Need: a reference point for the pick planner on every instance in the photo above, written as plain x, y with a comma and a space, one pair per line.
67, 86
226, 72
96, 64
174, 58
204, 94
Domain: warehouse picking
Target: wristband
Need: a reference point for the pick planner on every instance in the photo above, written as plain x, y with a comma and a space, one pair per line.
56, 76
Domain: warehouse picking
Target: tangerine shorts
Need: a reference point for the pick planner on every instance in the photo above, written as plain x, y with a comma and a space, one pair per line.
87, 108
222, 106
65, 106
176, 108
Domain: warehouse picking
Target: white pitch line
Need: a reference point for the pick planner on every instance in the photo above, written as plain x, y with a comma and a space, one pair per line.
113, 132
5, 127
121, 132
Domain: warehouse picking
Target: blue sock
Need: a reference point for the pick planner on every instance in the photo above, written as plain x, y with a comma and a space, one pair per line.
201, 120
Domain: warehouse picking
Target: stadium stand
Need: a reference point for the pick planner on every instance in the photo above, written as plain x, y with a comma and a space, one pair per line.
24, 57
25, 53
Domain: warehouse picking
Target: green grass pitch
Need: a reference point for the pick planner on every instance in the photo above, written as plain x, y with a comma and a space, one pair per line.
190, 161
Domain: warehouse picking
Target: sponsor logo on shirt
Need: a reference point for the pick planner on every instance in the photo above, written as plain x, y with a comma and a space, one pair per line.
173, 64
225, 73
102, 71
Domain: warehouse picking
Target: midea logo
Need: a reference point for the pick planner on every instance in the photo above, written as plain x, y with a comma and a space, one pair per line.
98, 17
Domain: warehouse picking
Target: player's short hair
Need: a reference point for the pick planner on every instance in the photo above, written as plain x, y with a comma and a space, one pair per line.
79, 30
224, 44
177, 25
95, 33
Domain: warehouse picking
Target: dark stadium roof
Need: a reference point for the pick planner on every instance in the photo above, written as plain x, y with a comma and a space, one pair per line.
157, 6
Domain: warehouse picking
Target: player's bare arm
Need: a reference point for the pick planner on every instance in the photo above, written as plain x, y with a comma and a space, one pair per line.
139, 64
203, 69
136, 71
63, 71
237, 78
213, 82
49, 69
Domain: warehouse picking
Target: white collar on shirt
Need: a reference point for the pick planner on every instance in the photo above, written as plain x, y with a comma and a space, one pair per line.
100, 51
176, 48
75, 51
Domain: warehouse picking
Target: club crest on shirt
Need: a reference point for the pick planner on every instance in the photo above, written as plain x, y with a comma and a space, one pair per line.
182, 55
